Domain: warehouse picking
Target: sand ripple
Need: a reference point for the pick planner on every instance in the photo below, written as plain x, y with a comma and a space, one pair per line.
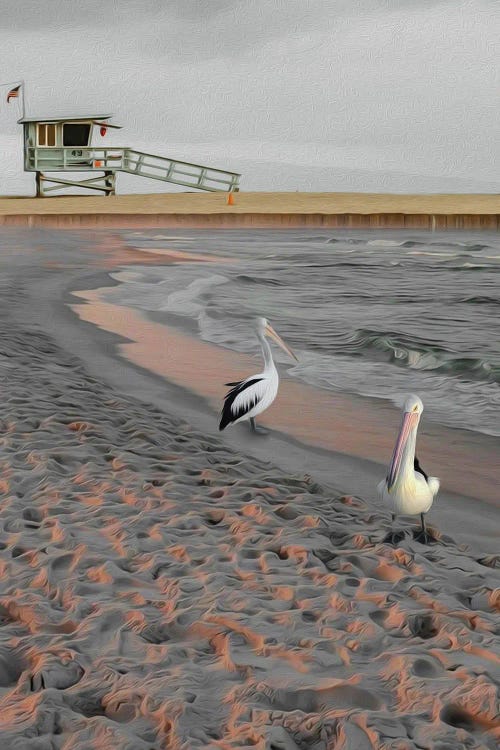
160, 591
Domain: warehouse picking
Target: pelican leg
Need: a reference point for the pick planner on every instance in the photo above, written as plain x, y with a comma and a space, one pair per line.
257, 430
394, 537
423, 535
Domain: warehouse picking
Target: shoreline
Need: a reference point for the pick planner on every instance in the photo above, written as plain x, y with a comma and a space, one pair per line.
293, 454
339, 473
347, 472
355, 426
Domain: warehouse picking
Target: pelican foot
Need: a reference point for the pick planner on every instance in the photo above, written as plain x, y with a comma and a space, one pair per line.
394, 537
424, 537
260, 431
257, 429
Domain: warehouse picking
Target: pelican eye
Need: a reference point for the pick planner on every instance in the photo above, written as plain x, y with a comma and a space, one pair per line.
415, 408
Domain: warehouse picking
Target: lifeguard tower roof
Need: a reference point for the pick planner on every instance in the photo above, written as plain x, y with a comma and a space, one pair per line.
67, 118
61, 118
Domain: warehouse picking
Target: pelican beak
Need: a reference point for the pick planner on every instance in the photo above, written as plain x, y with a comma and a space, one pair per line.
273, 335
410, 419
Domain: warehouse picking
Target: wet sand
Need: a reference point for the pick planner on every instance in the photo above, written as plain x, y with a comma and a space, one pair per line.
163, 588
354, 426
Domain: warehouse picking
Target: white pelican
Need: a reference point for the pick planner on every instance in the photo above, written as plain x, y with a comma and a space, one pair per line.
250, 397
407, 489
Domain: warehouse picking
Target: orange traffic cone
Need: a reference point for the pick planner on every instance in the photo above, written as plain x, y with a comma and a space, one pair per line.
230, 199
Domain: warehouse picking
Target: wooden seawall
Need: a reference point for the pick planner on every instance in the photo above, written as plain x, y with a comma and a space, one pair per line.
264, 210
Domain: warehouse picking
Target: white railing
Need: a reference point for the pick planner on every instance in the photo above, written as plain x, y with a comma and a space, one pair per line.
180, 172
85, 159
74, 159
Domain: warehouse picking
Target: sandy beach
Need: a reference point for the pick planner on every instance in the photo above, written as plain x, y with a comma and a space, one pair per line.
167, 586
255, 203
257, 209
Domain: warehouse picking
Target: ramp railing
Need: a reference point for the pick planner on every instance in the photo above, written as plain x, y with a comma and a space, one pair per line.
85, 159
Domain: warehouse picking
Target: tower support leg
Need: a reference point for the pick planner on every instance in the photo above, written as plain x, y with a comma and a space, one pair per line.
105, 183
109, 181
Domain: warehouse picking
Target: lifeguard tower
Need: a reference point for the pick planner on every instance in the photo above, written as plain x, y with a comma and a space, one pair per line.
55, 145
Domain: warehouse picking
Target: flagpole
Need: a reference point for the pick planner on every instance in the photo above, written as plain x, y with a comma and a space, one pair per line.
22, 98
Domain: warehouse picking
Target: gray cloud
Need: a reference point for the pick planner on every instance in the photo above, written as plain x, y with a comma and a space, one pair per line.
36, 14
404, 83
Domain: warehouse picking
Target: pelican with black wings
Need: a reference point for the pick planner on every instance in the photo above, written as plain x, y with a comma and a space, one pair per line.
250, 397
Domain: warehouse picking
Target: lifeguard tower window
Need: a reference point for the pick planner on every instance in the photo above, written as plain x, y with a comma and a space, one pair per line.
46, 135
76, 134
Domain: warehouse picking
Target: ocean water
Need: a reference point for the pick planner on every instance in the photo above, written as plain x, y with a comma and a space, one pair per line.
379, 314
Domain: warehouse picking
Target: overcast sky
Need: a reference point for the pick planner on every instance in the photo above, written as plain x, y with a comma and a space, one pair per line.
389, 95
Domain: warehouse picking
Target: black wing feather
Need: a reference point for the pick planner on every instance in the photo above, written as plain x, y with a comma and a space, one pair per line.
417, 467
227, 415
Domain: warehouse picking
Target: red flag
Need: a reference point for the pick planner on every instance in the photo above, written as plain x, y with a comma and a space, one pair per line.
103, 130
13, 93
